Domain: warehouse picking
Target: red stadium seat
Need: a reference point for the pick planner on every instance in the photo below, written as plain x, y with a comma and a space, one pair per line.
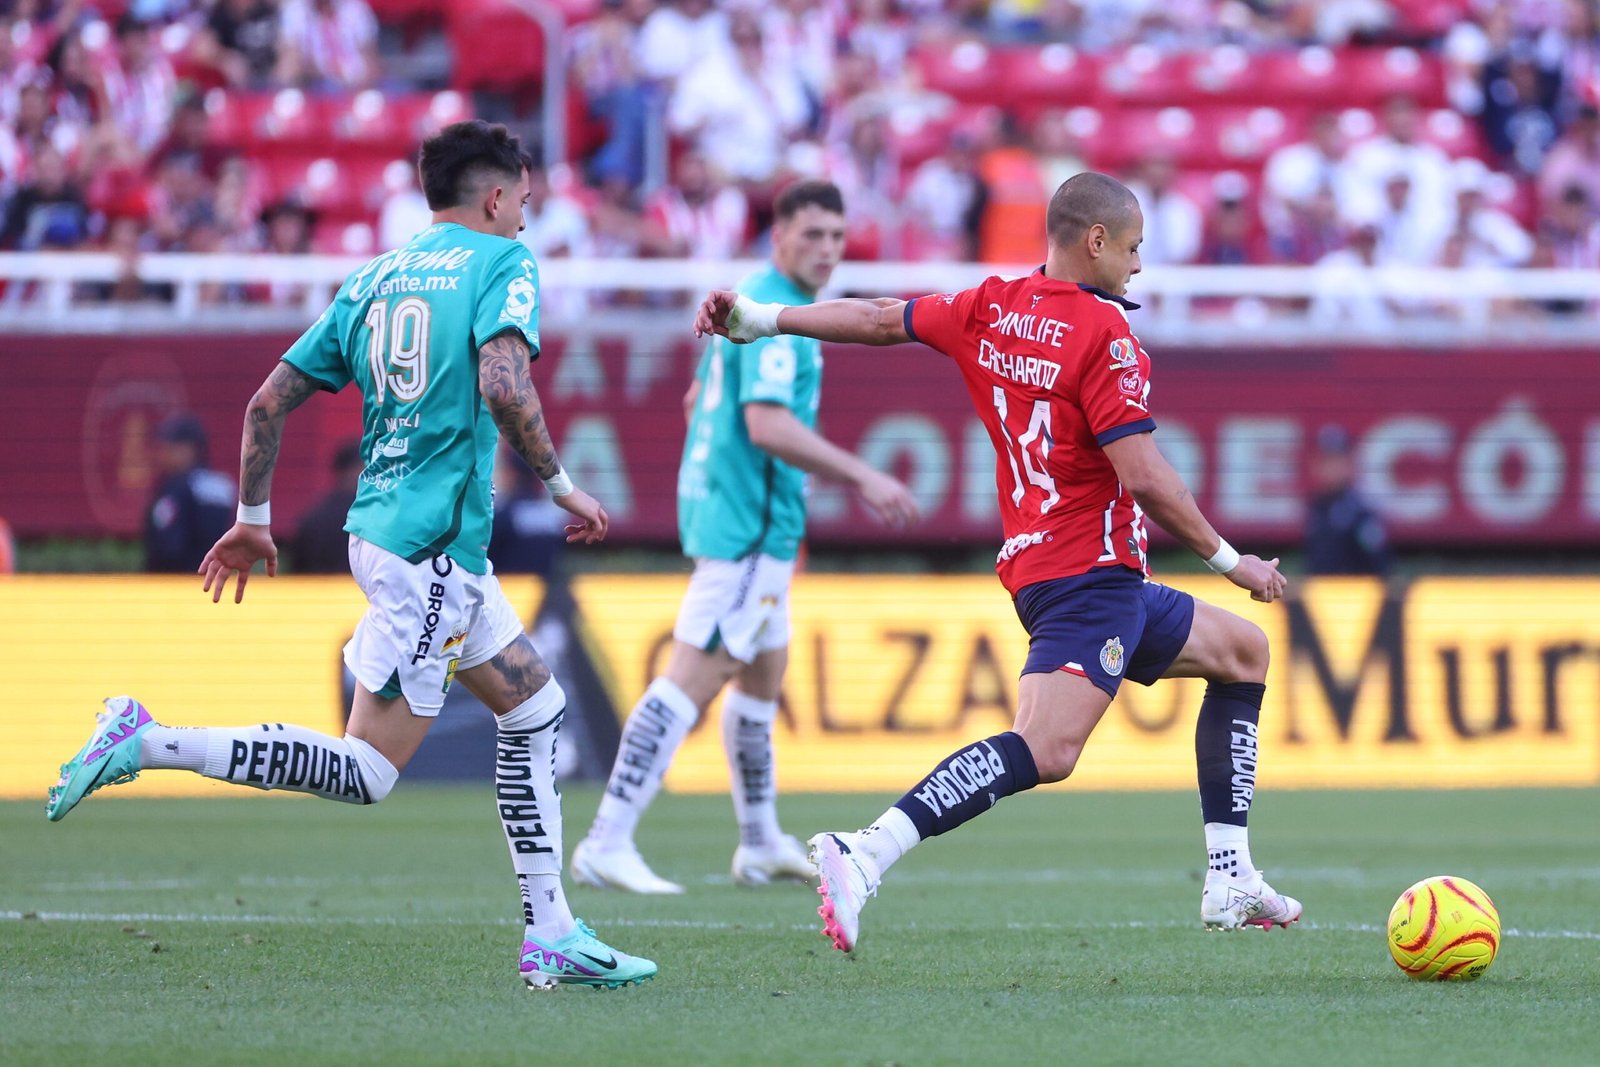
1455, 134
1145, 76
1243, 137
498, 46
1034, 79
1134, 133
367, 121
1368, 76
1308, 77
320, 183
966, 70
227, 120
1226, 75
1428, 18
342, 237
420, 115
291, 119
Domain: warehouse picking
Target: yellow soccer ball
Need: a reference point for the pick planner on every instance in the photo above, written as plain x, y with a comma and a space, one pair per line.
1444, 929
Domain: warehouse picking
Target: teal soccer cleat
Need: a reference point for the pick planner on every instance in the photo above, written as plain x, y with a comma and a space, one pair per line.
581, 958
110, 757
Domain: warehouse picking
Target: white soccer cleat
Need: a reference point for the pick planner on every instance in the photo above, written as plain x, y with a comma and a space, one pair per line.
847, 876
785, 860
1230, 903
617, 868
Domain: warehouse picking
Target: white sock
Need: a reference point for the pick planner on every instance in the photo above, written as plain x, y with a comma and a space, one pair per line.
274, 756
180, 748
530, 808
1228, 849
892, 836
747, 741
659, 723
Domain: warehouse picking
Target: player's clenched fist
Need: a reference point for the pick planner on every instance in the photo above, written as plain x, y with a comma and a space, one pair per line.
1261, 577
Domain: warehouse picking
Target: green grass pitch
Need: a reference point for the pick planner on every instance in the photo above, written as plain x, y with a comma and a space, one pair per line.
1062, 928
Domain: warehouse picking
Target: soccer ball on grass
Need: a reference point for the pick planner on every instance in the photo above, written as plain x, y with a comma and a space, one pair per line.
1444, 929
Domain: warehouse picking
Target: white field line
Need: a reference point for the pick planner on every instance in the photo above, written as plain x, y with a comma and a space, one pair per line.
680, 924
1345, 877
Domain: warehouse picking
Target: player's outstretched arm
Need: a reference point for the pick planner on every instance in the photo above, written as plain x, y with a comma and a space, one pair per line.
1147, 475
507, 388
774, 429
878, 321
285, 389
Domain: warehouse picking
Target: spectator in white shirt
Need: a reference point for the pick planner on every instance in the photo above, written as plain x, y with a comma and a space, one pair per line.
1171, 219
553, 224
698, 217
943, 203
738, 110
1484, 236
141, 88
677, 38
1369, 165
1296, 173
329, 43
405, 211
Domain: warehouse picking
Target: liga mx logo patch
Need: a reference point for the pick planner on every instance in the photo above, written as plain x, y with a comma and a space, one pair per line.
1111, 657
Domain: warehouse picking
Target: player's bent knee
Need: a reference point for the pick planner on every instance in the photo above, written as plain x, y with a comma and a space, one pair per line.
1252, 654
1054, 759
378, 775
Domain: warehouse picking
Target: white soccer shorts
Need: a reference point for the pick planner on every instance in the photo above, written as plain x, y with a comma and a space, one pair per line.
424, 623
741, 605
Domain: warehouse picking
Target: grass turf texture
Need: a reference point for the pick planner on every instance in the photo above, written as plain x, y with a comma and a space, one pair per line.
1062, 928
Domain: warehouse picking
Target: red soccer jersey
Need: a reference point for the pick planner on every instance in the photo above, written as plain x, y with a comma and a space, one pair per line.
1056, 375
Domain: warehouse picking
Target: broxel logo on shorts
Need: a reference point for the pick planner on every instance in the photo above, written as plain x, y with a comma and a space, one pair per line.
430, 622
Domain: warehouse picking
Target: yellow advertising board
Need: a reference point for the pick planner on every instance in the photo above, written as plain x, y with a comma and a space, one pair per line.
1458, 682
274, 658
1452, 683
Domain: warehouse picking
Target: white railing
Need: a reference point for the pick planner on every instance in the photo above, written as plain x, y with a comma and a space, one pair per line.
46, 293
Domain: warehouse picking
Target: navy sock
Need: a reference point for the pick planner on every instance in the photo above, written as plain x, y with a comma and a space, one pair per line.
969, 782
1225, 750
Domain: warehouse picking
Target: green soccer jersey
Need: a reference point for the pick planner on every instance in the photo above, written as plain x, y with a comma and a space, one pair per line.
406, 328
733, 498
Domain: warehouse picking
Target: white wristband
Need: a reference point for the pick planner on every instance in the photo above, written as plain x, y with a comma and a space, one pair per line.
1225, 558
256, 514
749, 321
560, 485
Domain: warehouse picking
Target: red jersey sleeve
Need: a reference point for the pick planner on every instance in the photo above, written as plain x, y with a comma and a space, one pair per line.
943, 321
1114, 386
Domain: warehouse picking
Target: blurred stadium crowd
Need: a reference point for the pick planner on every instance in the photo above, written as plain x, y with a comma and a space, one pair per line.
1347, 132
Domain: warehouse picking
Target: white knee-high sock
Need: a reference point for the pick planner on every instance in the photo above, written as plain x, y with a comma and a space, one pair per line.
530, 808
747, 741
659, 723
274, 756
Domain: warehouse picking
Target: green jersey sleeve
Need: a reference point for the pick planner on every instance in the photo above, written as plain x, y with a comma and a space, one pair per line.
317, 355
509, 299
767, 371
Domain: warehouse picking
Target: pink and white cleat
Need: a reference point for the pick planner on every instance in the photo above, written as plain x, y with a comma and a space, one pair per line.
848, 876
1232, 903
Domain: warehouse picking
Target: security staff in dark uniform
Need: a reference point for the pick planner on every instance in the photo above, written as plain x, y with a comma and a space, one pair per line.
1343, 534
192, 507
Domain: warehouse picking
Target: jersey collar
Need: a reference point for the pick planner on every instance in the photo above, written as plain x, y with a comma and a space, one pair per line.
1126, 304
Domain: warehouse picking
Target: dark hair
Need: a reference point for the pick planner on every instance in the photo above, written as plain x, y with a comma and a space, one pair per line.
463, 156
1085, 199
801, 194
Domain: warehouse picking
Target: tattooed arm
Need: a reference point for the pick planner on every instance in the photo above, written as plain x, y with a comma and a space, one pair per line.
285, 389
507, 387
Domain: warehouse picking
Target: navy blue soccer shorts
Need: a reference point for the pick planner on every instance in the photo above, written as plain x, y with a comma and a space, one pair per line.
1106, 625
